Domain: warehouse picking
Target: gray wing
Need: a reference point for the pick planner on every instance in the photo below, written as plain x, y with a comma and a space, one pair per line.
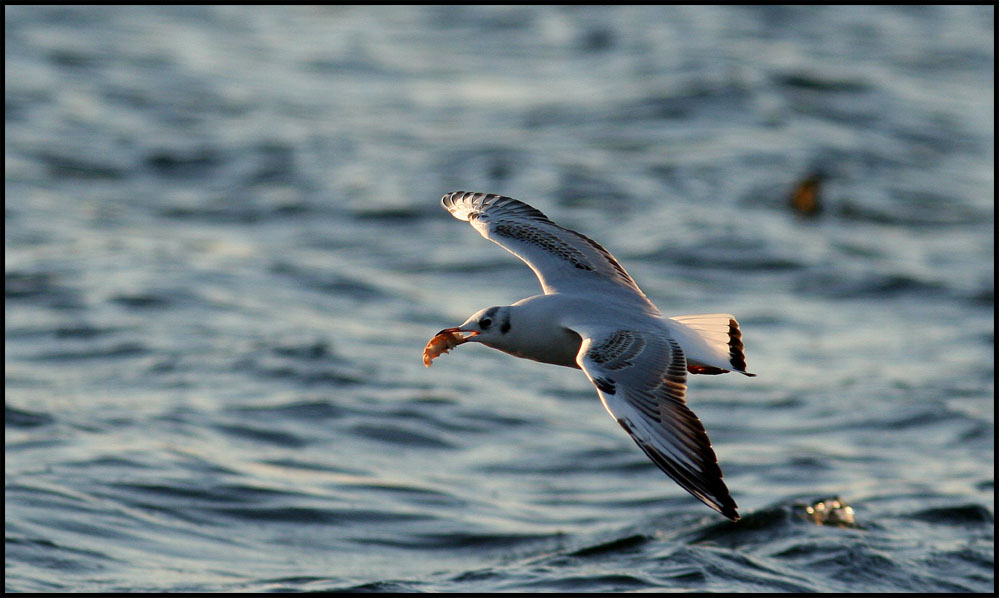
564, 260
641, 378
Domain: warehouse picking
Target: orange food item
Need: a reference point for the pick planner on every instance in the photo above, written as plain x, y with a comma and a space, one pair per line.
444, 341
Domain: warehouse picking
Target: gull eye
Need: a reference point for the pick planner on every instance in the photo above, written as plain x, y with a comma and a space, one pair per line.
485, 323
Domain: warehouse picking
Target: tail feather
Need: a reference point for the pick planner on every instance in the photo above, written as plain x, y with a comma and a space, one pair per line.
714, 345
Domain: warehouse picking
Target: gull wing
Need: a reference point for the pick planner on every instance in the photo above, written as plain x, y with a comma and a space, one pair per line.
641, 377
564, 261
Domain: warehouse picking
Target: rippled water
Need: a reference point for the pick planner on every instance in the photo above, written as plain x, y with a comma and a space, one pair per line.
224, 252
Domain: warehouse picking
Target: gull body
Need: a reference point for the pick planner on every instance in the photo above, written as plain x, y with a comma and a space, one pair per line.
592, 316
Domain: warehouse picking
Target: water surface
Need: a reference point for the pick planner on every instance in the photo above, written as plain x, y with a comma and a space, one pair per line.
224, 252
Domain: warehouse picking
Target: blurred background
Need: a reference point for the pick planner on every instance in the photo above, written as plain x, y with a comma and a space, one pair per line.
224, 252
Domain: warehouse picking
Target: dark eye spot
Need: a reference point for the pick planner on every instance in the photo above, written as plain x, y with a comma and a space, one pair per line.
485, 323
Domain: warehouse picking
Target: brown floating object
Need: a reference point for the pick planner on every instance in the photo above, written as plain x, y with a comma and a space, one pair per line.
805, 197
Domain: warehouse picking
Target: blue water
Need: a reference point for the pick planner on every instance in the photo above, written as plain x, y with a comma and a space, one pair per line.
225, 251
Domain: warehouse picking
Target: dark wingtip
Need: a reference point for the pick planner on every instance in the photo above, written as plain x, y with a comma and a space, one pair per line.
737, 355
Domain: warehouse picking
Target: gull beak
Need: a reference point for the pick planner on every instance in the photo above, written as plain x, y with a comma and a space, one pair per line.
459, 332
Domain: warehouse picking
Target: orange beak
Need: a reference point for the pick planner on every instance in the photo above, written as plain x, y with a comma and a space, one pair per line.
457, 331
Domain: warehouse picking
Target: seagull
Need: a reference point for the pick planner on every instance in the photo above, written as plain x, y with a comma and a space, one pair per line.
592, 316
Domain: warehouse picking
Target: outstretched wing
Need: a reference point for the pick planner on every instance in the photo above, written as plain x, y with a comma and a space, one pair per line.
641, 378
564, 260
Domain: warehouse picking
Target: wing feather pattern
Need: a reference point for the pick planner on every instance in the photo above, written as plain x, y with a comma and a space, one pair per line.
564, 261
641, 378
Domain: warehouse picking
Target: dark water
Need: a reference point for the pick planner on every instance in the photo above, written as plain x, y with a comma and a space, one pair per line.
224, 252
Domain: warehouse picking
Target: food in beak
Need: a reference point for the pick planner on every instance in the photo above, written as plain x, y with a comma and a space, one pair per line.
443, 341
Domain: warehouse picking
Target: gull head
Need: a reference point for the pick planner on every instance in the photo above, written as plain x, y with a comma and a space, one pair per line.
529, 329
488, 326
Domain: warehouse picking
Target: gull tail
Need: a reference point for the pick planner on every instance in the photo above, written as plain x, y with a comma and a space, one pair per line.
711, 342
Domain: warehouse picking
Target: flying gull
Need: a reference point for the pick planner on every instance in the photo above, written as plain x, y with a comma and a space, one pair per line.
592, 316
